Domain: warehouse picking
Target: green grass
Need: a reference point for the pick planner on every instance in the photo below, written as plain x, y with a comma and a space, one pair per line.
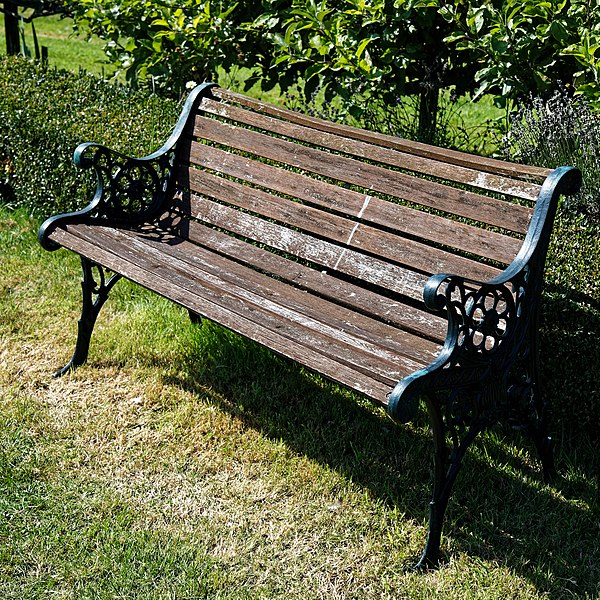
66, 50
183, 462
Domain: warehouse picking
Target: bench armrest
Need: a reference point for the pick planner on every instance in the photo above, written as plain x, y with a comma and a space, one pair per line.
489, 323
128, 189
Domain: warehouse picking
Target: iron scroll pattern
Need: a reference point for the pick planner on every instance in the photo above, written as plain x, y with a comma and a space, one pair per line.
489, 330
128, 189
487, 372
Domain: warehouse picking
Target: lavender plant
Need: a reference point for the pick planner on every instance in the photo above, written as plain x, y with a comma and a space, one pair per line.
561, 130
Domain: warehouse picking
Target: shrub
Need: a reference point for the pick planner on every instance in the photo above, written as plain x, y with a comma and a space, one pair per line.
565, 131
46, 113
400, 118
164, 43
560, 131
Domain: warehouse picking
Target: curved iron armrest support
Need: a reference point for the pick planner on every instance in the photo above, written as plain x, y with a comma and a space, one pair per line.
128, 189
489, 323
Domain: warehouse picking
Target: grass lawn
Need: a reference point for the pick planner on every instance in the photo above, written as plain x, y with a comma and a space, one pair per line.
65, 49
182, 462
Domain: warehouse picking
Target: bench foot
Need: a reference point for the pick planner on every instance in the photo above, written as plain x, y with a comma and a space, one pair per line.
94, 295
195, 318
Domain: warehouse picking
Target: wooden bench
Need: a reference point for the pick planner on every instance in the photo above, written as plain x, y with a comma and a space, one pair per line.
400, 270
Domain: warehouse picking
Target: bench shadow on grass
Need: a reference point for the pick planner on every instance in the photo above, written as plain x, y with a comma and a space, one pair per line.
500, 511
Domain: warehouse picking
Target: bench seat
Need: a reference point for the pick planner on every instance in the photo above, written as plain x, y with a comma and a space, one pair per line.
358, 350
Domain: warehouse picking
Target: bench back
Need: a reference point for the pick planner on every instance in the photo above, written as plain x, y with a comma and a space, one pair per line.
357, 205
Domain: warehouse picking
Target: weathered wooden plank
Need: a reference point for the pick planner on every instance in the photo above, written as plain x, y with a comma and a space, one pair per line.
388, 156
338, 325
432, 194
355, 353
368, 208
321, 283
321, 252
352, 234
489, 165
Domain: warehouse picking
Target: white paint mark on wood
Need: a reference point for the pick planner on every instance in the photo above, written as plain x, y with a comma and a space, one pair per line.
361, 212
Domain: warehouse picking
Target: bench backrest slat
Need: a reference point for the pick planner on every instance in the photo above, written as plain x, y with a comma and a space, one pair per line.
432, 194
424, 165
360, 209
370, 209
453, 157
329, 256
349, 233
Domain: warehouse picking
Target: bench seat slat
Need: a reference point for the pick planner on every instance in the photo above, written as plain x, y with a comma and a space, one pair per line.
365, 301
255, 288
403, 219
455, 201
453, 157
370, 151
151, 270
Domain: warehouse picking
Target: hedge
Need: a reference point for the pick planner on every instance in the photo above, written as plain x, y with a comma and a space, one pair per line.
45, 113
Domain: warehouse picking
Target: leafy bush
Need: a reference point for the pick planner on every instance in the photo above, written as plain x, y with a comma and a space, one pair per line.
46, 113
560, 131
164, 43
528, 47
401, 118
355, 49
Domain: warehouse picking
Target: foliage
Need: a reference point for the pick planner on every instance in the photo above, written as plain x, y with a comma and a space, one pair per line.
559, 131
165, 43
400, 118
527, 46
63, 109
360, 51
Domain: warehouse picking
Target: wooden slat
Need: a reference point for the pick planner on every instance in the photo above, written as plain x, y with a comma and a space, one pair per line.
307, 346
335, 322
330, 256
406, 187
320, 283
422, 165
489, 165
367, 208
411, 254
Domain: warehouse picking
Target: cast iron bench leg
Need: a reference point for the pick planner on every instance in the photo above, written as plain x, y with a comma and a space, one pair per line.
89, 310
446, 465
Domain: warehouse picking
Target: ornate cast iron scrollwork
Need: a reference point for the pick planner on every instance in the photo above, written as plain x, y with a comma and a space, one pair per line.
129, 190
488, 369
95, 288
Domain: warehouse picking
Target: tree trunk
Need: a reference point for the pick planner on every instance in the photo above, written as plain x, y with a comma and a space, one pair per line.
11, 27
428, 110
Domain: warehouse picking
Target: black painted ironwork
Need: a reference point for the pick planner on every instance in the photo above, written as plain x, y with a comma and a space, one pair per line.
488, 370
94, 292
128, 190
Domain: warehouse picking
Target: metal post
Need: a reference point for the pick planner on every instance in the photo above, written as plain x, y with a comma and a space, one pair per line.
11, 27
